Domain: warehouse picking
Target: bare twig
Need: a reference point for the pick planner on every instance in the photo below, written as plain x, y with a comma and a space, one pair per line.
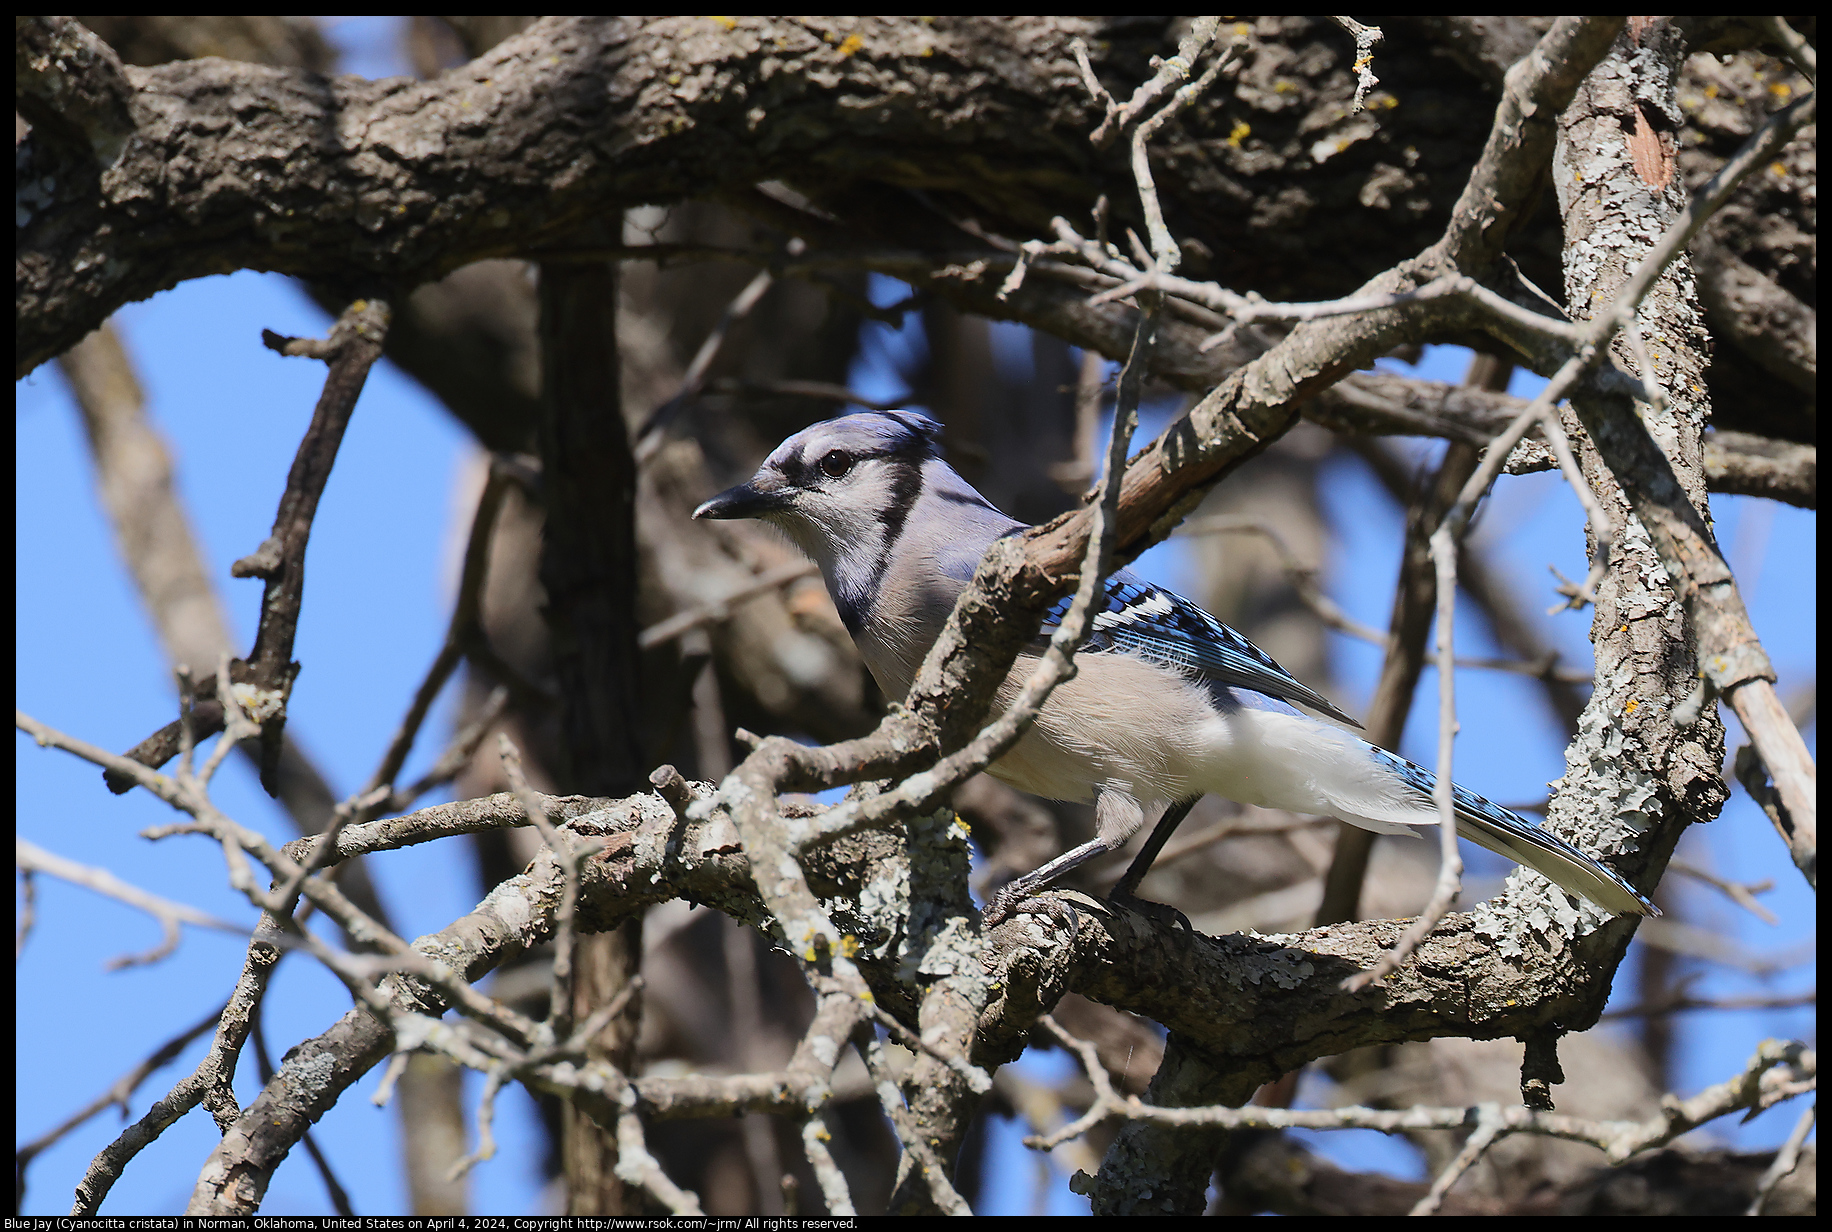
568, 855
238, 725
265, 678
115, 1096
922, 1158
636, 1166
827, 1174
188, 795
720, 609
823, 390
1788, 1157
30, 858
1789, 796
1450, 861
1169, 72
1805, 58
486, 1120
1742, 895
1777, 1071
1107, 1102
1682, 1004
1164, 250
1602, 529
1095, 89
354, 346
210, 1083
648, 439
1365, 38
1129, 278
1800, 846
28, 910
1490, 1125
391, 1074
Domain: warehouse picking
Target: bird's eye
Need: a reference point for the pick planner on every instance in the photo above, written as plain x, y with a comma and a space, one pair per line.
835, 463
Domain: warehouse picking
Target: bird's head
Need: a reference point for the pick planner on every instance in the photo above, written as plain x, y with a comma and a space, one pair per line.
838, 487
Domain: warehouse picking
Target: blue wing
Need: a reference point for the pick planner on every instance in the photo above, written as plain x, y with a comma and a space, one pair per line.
1148, 621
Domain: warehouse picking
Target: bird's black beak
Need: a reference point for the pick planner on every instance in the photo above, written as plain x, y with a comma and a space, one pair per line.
747, 500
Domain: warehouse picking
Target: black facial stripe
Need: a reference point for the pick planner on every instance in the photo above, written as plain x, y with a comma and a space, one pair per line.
850, 616
906, 484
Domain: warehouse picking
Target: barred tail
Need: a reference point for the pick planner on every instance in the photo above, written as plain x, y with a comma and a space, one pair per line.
1556, 860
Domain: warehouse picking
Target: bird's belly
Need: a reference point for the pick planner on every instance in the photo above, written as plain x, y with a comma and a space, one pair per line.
1121, 724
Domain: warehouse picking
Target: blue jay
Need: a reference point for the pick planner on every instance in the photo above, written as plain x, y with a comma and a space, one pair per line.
1168, 703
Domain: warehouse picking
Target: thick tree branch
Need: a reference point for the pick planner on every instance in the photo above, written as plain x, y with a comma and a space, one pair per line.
70, 86
1265, 1006
347, 181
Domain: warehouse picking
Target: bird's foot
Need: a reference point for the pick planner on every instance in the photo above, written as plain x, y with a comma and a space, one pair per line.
1002, 905
1005, 903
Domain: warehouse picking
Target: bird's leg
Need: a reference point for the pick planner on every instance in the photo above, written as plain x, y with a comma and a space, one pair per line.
1123, 891
1117, 817
1113, 835
1026, 884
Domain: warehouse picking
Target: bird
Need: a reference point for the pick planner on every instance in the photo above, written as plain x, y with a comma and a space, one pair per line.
1168, 703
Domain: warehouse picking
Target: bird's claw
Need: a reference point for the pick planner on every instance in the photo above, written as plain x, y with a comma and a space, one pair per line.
1162, 913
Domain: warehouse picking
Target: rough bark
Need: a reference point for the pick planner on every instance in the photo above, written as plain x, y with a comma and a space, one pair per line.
339, 180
